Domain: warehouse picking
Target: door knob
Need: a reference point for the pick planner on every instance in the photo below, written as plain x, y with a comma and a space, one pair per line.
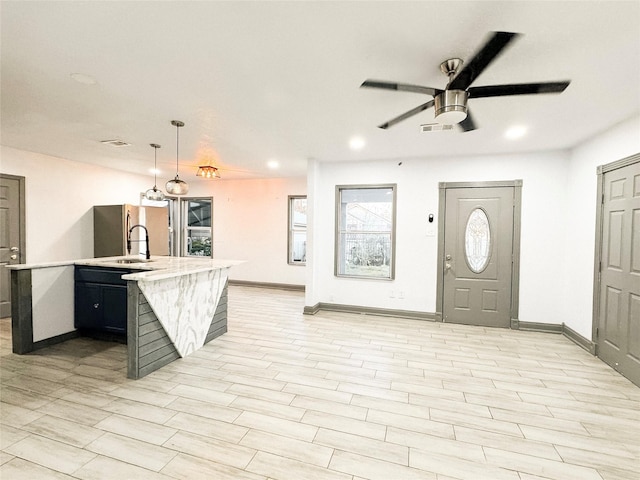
447, 266
14, 249
14, 257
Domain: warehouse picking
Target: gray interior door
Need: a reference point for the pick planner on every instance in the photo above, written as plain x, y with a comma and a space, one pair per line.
478, 249
11, 237
618, 338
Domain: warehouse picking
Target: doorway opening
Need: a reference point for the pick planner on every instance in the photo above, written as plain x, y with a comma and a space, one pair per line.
479, 253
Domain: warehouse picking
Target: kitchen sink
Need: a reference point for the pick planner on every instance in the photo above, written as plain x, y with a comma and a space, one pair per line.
132, 260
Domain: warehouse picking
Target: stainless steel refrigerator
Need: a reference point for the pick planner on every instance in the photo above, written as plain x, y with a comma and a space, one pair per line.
112, 223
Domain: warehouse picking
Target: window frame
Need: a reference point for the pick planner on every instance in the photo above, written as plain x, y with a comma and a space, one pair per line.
291, 230
185, 229
392, 234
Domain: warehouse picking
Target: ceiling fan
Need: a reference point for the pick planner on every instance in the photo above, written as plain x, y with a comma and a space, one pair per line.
451, 103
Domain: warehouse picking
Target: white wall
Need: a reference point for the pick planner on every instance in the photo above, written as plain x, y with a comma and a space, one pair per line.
250, 216
60, 195
558, 226
619, 142
250, 223
544, 178
52, 301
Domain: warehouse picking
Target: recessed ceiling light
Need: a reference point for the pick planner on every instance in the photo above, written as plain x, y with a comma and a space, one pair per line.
515, 132
83, 78
356, 143
273, 164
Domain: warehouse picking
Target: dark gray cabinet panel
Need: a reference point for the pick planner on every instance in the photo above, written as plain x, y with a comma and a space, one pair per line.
101, 300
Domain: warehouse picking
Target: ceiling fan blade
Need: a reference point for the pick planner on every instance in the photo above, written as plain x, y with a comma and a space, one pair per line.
488, 53
401, 87
468, 124
518, 89
406, 115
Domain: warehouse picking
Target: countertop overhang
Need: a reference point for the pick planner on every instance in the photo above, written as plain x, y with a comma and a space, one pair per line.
156, 268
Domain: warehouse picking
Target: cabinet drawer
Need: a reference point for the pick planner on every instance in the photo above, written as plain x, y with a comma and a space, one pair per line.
111, 276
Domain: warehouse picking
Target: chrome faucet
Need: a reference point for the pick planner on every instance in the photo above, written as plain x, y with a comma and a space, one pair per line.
146, 238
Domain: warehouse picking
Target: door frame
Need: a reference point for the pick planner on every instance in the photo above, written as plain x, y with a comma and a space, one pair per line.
22, 240
21, 214
515, 264
597, 262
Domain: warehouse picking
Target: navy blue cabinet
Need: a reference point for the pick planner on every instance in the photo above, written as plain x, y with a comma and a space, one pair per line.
101, 300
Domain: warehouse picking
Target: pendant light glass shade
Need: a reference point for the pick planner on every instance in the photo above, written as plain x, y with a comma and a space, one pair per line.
153, 193
177, 186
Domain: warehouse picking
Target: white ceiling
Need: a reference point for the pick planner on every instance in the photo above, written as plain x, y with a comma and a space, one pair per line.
255, 81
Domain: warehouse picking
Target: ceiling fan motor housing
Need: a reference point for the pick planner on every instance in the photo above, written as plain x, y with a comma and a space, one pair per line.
451, 106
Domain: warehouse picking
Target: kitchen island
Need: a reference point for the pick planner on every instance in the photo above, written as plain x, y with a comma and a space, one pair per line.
174, 305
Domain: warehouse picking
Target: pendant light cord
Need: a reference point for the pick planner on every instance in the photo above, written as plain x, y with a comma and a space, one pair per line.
155, 168
177, 146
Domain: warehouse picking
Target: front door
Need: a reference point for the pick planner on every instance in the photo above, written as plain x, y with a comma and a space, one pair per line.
618, 325
478, 251
11, 234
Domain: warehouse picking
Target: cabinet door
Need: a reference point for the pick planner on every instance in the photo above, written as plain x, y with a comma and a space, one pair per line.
88, 305
114, 308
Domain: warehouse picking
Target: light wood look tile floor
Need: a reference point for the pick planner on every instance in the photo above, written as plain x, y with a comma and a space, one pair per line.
331, 396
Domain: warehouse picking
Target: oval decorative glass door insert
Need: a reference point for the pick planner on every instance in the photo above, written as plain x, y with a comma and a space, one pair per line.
477, 241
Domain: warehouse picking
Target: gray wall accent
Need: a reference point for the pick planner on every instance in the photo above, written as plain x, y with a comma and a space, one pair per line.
384, 312
278, 286
148, 345
540, 327
578, 339
563, 329
312, 309
47, 342
21, 312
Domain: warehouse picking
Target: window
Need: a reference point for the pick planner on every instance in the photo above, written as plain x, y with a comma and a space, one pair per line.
190, 232
297, 246
197, 233
365, 231
477, 241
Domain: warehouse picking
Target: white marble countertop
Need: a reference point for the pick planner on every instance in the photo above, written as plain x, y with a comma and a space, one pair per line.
157, 268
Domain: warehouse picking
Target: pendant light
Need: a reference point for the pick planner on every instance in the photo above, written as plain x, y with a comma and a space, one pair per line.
153, 193
177, 186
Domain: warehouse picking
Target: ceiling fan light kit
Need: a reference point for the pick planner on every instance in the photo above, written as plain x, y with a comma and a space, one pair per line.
450, 104
177, 186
